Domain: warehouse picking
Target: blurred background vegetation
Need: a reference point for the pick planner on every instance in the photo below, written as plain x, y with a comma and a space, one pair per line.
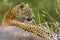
47, 12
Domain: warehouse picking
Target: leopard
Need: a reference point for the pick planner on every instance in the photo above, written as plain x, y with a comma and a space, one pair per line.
21, 13
22, 16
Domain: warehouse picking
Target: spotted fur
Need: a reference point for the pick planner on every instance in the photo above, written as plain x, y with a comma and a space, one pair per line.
18, 15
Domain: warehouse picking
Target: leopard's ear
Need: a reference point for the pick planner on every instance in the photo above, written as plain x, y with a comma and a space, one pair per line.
26, 4
22, 5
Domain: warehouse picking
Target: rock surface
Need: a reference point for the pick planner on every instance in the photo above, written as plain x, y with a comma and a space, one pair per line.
15, 33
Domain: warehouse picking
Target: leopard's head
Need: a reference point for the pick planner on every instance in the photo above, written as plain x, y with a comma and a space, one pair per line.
25, 13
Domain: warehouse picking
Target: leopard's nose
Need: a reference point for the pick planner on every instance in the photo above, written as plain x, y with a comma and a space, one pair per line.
33, 17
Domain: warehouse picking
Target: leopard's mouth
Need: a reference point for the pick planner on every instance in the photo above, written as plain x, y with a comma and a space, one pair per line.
29, 20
